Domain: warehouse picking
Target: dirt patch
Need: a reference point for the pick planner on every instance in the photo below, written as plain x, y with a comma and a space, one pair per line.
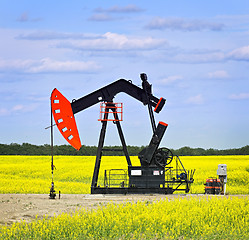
18, 207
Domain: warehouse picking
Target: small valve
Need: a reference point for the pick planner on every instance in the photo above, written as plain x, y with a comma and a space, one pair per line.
52, 193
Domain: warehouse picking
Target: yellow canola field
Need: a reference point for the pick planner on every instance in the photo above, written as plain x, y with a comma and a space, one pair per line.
73, 174
196, 217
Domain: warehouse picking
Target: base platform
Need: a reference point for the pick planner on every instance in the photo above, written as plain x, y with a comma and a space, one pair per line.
102, 190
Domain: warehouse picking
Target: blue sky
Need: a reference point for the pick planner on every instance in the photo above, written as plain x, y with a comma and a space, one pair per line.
195, 53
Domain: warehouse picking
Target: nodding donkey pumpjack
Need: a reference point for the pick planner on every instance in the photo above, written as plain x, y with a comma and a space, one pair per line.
152, 175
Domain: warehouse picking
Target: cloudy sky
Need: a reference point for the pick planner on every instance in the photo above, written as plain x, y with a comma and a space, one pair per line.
195, 53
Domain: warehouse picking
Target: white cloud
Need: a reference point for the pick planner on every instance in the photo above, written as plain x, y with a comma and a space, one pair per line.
202, 57
170, 79
101, 17
209, 56
19, 108
183, 24
4, 111
239, 96
192, 56
218, 74
241, 54
121, 42
15, 65
47, 65
24, 17
198, 99
113, 41
117, 9
53, 35
103, 14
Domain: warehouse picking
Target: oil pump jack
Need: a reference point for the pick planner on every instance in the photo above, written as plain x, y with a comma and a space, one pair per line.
159, 170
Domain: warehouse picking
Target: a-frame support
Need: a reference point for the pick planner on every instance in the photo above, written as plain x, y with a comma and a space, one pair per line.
109, 106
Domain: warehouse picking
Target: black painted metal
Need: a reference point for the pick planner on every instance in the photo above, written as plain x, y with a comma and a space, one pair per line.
101, 144
148, 91
52, 193
147, 154
150, 177
130, 190
108, 92
99, 153
146, 177
121, 136
154, 175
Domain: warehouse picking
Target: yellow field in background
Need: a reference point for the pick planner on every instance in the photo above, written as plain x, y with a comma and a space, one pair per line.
196, 217
73, 174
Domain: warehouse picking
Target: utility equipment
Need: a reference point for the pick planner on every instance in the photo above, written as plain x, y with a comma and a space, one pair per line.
52, 193
159, 172
217, 186
222, 173
212, 186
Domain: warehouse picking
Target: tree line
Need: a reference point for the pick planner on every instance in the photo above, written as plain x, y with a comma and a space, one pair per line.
30, 149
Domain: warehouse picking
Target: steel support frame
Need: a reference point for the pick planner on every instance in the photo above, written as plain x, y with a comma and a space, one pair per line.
130, 190
94, 186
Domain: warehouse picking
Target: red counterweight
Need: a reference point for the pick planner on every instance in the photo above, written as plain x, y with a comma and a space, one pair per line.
64, 119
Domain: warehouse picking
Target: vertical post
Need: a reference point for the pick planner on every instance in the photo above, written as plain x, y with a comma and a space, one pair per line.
222, 173
121, 135
152, 119
99, 151
52, 145
147, 88
52, 193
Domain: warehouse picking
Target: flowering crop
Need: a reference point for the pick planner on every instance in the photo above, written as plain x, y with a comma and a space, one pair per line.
214, 217
73, 174
206, 167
